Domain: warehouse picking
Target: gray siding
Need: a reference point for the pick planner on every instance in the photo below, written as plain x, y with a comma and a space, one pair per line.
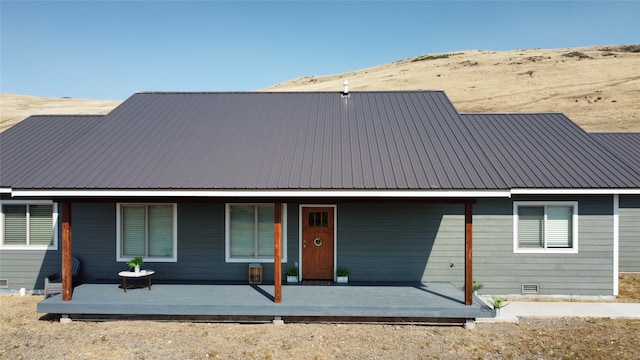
376, 241
201, 247
28, 268
589, 272
94, 239
401, 242
629, 217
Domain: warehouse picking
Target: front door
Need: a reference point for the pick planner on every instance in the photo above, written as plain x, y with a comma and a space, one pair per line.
317, 243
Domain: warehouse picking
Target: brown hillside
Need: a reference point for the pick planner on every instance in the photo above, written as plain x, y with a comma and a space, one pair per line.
15, 108
597, 87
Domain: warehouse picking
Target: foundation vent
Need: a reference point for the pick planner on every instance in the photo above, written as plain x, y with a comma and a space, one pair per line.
530, 288
4, 283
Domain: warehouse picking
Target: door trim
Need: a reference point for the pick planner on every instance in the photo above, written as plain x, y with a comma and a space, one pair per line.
335, 235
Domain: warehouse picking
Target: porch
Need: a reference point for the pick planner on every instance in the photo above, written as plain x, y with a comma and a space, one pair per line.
419, 302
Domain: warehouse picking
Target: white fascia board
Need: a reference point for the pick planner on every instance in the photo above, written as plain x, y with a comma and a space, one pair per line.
575, 191
5, 190
258, 193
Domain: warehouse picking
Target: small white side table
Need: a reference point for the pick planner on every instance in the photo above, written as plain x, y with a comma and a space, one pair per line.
132, 274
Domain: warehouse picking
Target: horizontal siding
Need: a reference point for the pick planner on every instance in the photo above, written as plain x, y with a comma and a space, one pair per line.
629, 216
589, 272
94, 240
200, 249
376, 242
28, 268
417, 243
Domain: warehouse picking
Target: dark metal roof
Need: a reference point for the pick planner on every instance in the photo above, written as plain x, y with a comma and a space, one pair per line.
548, 150
409, 140
624, 145
368, 140
28, 145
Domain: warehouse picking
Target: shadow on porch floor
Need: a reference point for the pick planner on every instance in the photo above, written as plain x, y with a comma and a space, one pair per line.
426, 302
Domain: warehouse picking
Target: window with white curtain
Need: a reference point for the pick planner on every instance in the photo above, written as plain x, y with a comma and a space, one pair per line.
545, 226
147, 230
30, 225
249, 232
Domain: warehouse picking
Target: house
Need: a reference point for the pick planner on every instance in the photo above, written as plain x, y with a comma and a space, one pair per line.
397, 186
627, 147
550, 159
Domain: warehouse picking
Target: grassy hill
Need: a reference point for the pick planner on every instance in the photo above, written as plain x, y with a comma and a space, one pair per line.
15, 108
597, 87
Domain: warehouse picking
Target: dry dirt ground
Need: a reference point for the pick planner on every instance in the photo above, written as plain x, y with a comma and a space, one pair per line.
28, 335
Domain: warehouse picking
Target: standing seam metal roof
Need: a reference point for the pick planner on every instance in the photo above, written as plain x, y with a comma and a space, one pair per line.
548, 150
409, 140
368, 140
26, 147
624, 145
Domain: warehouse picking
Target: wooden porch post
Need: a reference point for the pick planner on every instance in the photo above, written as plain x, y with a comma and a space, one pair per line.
66, 251
277, 253
468, 262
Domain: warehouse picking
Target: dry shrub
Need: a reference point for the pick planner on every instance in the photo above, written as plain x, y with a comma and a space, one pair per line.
577, 54
630, 48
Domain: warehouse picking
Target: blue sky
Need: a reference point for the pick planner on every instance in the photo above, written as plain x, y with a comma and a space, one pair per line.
111, 49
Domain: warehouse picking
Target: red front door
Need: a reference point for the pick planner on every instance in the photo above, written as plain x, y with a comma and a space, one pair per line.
317, 243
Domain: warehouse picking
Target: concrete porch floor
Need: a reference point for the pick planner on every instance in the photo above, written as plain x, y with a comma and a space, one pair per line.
429, 302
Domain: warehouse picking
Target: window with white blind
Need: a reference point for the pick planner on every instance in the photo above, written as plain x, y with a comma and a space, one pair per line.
147, 230
30, 225
545, 226
249, 232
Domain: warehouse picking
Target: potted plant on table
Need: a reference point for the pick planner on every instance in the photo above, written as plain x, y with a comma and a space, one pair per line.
342, 275
135, 263
292, 275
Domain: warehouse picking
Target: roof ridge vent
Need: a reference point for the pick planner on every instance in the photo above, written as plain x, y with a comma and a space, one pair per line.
345, 92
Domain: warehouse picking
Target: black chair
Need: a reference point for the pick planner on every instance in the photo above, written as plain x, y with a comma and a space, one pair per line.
53, 282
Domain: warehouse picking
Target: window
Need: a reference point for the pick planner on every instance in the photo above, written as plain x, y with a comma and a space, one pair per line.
545, 227
30, 225
147, 230
318, 219
249, 232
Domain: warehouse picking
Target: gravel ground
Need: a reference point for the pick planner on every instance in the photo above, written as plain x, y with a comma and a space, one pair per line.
28, 335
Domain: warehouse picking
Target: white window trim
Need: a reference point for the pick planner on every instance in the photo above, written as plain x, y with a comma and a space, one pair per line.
120, 258
574, 222
54, 216
616, 244
227, 236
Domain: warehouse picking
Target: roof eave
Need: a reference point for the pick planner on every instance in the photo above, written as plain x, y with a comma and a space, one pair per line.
603, 191
58, 193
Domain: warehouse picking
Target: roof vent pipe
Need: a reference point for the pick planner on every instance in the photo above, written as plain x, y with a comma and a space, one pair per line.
345, 92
